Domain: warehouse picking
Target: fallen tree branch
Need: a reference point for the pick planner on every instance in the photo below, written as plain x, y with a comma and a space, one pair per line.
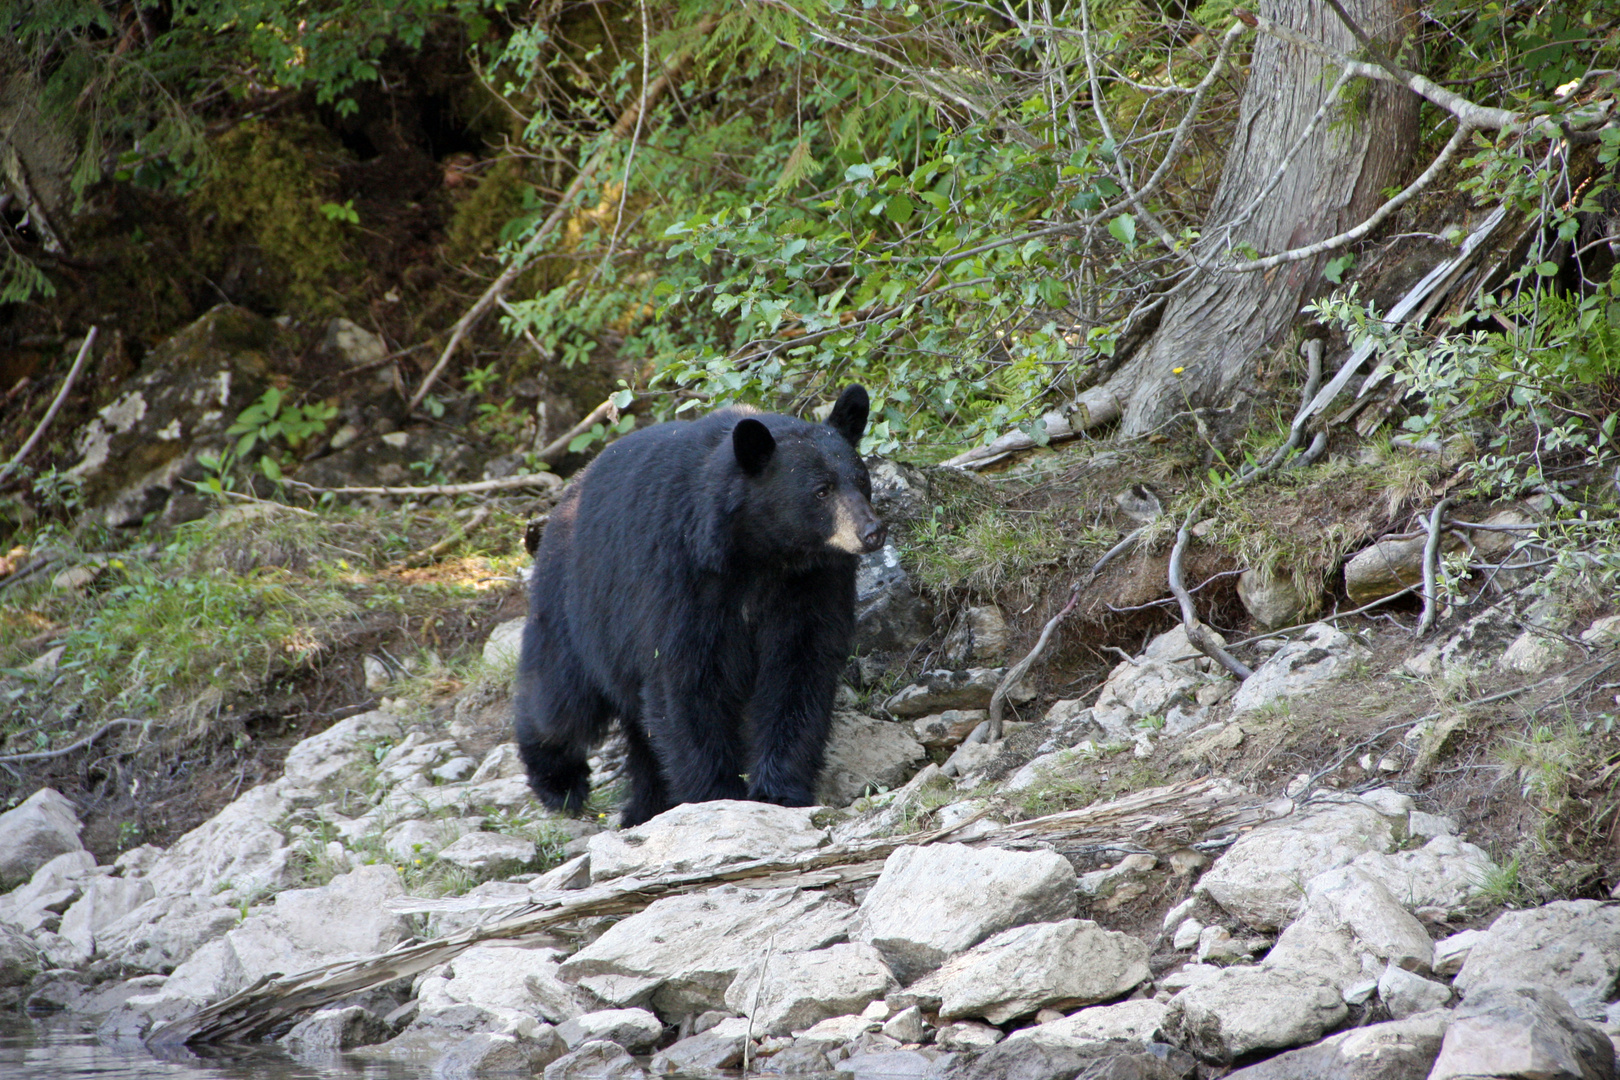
628, 122
1163, 818
1431, 566
45, 755
1197, 633
56, 404
550, 481
554, 450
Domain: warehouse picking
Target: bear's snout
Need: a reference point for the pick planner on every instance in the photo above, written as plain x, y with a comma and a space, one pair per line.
873, 533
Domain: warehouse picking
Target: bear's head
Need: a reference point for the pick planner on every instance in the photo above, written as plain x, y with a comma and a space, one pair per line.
808, 492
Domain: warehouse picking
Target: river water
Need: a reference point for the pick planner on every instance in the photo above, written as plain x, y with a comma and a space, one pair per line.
54, 1049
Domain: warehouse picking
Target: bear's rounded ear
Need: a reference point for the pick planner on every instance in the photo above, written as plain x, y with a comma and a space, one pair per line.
848, 416
753, 444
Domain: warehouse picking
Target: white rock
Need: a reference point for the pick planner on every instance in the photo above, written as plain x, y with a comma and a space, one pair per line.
1406, 994
966, 1035
1178, 914
907, 1025
34, 832
1187, 935
377, 676
866, 755
933, 902
1569, 946
502, 975
1396, 1050
1136, 1021
1245, 1009
53, 886
1521, 1031
419, 839
1446, 872
939, 690
786, 992
1449, 953
502, 646
946, 729
164, 931
1041, 965
501, 763
1319, 653
683, 952
601, 1060
1261, 879
1216, 946
838, 1030
704, 836
1100, 883
1272, 599
633, 1029
236, 848
1425, 825
483, 851
105, 901
1373, 915
321, 757
301, 929
1603, 633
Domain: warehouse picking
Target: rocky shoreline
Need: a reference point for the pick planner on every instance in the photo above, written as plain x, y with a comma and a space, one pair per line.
1322, 938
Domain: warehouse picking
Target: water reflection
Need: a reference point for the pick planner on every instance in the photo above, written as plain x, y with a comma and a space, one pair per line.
57, 1050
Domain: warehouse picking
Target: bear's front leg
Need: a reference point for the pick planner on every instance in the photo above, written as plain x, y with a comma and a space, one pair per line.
696, 732
800, 656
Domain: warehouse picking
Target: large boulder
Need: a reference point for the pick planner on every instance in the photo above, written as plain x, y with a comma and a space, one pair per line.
933, 902
785, 992
1320, 653
1398, 1050
1352, 924
865, 756
705, 836
1522, 1031
497, 975
683, 952
1244, 1009
164, 931
320, 758
1134, 1021
34, 832
237, 848
1571, 947
1056, 965
1260, 878
105, 901
888, 613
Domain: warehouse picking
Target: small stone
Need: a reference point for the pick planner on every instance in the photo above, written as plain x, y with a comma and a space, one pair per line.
966, 1035
1178, 914
633, 1029
1188, 935
907, 1026
596, 1061
1216, 945
1406, 994
482, 852
1451, 953
377, 674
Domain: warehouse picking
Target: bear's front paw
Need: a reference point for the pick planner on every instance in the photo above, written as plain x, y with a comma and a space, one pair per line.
784, 798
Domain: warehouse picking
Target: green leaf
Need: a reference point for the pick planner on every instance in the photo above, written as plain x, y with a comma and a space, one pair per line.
1123, 229
623, 399
1335, 268
900, 209
1547, 269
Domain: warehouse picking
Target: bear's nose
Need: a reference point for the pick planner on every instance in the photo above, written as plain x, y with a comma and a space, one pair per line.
873, 535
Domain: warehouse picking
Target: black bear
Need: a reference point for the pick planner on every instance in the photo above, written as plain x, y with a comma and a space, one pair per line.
697, 583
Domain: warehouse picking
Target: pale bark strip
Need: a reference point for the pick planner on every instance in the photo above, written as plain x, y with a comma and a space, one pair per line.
627, 123
1431, 566
550, 481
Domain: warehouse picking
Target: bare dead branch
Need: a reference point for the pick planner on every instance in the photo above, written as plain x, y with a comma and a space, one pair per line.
56, 403
1431, 565
45, 755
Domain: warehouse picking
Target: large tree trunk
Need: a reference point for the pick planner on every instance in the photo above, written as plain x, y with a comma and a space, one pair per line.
1216, 325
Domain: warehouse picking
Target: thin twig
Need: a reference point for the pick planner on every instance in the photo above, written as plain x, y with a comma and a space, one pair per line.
553, 451
1197, 633
759, 989
1431, 564
50, 413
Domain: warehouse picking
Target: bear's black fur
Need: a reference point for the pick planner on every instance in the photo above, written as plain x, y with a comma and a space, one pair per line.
698, 584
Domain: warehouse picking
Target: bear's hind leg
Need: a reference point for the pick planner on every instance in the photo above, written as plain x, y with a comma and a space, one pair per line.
649, 796
560, 717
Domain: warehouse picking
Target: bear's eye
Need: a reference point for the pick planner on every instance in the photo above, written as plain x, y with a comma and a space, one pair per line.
823, 491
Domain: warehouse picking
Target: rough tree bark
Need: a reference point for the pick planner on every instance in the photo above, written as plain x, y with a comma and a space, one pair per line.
1218, 323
